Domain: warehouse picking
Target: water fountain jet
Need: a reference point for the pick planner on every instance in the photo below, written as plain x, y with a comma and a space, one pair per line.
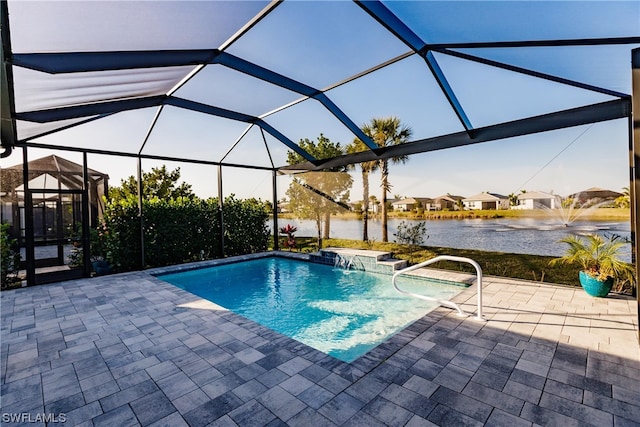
567, 215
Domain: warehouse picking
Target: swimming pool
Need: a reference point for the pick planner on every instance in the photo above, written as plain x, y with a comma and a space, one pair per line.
343, 313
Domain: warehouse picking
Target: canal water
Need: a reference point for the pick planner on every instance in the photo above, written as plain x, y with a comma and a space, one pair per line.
515, 235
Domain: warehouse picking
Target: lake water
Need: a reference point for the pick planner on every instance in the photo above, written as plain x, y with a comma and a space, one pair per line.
515, 235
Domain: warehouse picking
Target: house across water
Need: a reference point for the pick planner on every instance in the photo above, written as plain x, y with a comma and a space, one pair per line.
486, 201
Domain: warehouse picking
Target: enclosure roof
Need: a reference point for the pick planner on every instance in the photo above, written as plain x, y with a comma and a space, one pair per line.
50, 172
241, 82
55, 164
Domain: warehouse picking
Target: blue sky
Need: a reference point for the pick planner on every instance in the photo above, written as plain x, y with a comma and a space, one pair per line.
321, 43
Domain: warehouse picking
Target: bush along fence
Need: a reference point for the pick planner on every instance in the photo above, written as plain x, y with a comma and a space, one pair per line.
9, 258
181, 230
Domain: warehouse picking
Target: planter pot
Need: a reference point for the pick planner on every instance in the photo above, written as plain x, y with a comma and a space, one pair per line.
101, 268
595, 287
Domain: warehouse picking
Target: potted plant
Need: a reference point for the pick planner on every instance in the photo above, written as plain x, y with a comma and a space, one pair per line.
100, 266
599, 260
99, 258
76, 256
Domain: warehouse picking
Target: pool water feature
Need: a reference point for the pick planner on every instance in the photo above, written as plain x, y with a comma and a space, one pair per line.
343, 313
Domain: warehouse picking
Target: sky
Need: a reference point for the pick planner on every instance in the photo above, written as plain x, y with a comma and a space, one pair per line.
320, 44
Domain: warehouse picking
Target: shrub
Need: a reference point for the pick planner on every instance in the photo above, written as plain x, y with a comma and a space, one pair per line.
246, 228
181, 230
9, 257
122, 234
600, 258
411, 235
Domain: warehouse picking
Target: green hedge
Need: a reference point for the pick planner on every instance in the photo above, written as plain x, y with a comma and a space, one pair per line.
181, 230
9, 258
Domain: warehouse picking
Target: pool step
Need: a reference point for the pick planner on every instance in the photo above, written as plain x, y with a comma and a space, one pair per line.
395, 264
359, 259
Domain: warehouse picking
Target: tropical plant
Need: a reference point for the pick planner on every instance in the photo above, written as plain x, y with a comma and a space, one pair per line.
291, 238
386, 132
366, 168
288, 230
624, 201
513, 198
597, 257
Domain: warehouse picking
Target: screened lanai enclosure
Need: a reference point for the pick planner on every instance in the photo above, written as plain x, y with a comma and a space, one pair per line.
55, 201
227, 90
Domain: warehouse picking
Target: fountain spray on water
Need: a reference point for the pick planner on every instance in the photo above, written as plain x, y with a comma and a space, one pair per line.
568, 213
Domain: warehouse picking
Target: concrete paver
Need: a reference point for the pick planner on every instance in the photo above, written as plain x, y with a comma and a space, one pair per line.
130, 349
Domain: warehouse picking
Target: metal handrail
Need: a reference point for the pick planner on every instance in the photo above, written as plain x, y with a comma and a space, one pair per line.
439, 301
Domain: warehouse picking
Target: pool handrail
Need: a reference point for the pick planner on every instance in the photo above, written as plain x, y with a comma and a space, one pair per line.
448, 303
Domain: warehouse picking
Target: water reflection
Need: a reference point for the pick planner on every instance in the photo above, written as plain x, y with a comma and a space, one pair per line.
541, 225
273, 282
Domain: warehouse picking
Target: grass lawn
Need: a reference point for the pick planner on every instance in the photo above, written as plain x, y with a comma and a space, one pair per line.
518, 266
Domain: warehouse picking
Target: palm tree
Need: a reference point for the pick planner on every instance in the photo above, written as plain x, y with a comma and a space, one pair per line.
386, 132
366, 168
624, 201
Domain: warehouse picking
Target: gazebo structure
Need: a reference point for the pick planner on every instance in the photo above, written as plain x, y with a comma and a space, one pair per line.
56, 201
209, 82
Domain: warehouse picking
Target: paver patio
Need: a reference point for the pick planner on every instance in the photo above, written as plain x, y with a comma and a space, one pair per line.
130, 349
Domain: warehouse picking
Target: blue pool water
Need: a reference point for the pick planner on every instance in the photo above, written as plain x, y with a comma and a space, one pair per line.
341, 313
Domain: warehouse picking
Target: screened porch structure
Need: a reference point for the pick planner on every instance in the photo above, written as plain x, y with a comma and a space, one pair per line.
54, 201
233, 85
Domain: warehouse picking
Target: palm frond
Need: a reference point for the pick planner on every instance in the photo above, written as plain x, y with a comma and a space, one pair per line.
598, 257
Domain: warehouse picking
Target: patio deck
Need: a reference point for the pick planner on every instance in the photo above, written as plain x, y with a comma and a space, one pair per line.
129, 349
